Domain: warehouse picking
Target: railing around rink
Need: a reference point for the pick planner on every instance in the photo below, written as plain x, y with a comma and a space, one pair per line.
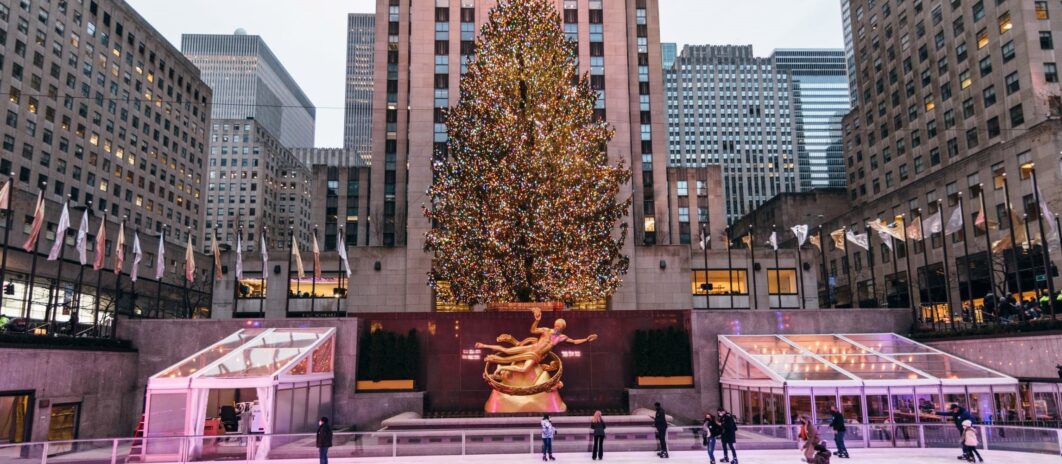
276, 447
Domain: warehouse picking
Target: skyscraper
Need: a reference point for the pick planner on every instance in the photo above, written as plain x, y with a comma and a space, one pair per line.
424, 45
726, 106
820, 100
250, 82
357, 123
668, 53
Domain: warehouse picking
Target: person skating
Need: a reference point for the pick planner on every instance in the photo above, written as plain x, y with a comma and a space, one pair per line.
839, 431
597, 424
712, 430
324, 439
729, 435
969, 442
809, 437
660, 423
547, 438
958, 414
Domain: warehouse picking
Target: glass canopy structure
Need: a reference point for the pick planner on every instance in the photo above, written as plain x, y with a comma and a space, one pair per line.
283, 375
870, 378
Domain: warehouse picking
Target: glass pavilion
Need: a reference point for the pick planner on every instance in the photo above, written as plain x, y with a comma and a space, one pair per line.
871, 378
286, 372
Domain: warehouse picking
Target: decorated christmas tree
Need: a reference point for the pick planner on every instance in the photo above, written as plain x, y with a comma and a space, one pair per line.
524, 203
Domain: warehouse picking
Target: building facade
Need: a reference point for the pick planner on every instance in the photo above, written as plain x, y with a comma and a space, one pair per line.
103, 113
257, 185
820, 101
959, 104
341, 179
695, 196
668, 53
422, 46
357, 122
728, 107
250, 82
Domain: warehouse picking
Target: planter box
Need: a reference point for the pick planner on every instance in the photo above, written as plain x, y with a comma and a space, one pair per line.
662, 381
544, 306
385, 385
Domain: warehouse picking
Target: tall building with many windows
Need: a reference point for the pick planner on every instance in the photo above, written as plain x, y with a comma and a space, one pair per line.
820, 101
357, 122
420, 51
250, 82
728, 107
959, 104
668, 53
101, 111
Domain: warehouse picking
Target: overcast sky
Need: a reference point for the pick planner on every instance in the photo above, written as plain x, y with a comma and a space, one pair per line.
309, 36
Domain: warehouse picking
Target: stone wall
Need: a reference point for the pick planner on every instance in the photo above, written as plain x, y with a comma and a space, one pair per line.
1029, 356
103, 382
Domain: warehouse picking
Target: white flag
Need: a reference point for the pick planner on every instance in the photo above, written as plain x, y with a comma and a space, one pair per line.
137, 255
703, 242
160, 258
239, 255
82, 239
316, 257
1052, 226
341, 248
859, 239
801, 232
773, 241
265, 254
300, 270
60, 234
932, 224
886, 238
955, 222
5, 195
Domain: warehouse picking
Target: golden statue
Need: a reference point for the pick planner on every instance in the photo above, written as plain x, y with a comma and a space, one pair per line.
527, 374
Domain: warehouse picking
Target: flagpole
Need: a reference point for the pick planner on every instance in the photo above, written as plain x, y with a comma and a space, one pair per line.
800, 274
118, 280
907, 263
188, 309
313, 277
342, 294
988, 250
287, 298
1013, 246
752, 256
265, 276
81, 267
8, 213
704, 248
925, 263
848, 260
158, 294
871, 255
235, 275
1028, 243
132, 283
99, 283
33, 270
1046, 254
53, 299
947, 274
777, 268
895, 269
213, 270
825, 269
966, 251
729, 268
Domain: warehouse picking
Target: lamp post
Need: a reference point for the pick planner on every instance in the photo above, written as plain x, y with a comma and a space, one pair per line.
8, 213
707, 287
1044, 247
988, 249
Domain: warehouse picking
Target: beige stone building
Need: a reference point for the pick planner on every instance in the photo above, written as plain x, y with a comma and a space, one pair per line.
955, 100
102, 111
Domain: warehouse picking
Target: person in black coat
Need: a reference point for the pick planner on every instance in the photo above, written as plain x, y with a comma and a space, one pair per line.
660, 423
324, 439
597, 425
729, 436
958, 414
839, 430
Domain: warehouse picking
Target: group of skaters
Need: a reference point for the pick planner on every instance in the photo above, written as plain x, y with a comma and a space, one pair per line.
1010, 310
722, 428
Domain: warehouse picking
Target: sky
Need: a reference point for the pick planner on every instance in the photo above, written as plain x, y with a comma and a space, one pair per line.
309, 36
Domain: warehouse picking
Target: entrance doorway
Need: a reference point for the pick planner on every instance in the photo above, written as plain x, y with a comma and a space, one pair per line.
16, 418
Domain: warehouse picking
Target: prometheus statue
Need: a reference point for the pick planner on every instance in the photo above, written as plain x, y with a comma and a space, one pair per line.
527, 374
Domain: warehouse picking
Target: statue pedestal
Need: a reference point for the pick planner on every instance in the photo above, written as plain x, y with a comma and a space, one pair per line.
546, 402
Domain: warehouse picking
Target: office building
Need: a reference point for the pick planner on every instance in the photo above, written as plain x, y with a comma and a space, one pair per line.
102, 111
357, 122
820, 100
668, 53
419, 42
958, 103
250, 82
341, 179
849, 51
728, 107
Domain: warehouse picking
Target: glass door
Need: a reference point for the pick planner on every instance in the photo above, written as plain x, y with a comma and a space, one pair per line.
62, 426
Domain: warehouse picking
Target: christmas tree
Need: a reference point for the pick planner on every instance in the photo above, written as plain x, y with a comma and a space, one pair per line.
524, 203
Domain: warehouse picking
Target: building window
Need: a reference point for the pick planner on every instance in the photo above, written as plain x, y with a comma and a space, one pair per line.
782, 281
1046, 41
721, 282
1005, 23
1041, 10
1050, 72
683, 188
993, 127
1012, 83
1008, 51
990, 96
1017, 117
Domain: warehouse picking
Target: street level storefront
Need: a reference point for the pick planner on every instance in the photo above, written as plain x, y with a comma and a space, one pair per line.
872, 379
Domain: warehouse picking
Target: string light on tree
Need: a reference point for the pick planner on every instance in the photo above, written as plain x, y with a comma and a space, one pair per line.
524, 203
